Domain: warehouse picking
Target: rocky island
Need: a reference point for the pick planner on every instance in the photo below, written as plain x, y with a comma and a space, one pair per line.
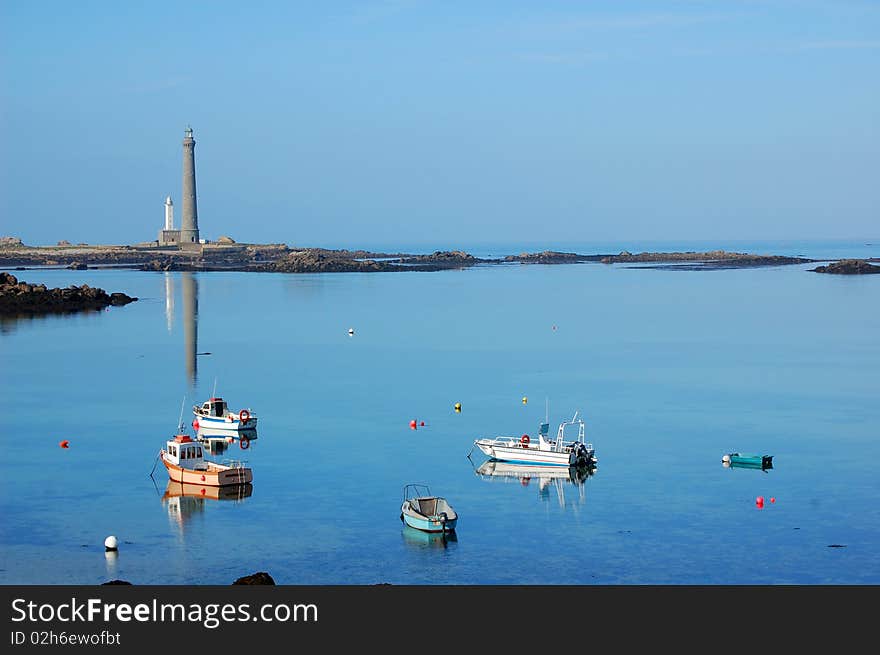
226, 254
848, 267
22, 298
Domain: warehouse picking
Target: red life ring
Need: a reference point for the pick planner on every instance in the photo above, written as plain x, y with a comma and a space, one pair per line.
244, 443
524, 440
244, 416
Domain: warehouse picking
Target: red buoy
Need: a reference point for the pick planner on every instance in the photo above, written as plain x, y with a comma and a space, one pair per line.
759, 501
412, 424
772, 499
422, 423
64, 444
195, 424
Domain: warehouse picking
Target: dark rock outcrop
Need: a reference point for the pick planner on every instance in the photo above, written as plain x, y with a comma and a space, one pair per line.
547, 257
848, 267
20, 298
439, 260
116, 582
710, 257
160, 265
310, 261
261, 577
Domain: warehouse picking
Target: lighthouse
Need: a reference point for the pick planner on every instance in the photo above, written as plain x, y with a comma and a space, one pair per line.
187, 235
169, 236
189, 220
169, 214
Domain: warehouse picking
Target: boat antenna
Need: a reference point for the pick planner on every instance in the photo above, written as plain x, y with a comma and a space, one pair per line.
214, 392
547, 409
180, 420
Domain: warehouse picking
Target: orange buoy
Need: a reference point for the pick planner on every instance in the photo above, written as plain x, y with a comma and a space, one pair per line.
64, 443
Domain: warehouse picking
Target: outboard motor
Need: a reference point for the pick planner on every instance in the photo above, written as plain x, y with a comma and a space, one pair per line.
578, 455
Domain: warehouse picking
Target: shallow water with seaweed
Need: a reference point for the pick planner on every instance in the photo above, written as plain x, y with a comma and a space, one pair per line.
671, 369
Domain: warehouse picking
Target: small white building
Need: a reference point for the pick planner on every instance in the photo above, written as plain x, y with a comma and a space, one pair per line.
169, 236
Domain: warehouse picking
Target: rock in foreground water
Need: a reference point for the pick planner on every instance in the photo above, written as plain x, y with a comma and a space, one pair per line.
260, 577
24, 298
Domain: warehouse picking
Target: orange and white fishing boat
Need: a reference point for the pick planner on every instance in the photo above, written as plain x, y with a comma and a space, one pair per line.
185, 462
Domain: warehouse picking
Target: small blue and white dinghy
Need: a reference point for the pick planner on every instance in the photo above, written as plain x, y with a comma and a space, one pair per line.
425, 512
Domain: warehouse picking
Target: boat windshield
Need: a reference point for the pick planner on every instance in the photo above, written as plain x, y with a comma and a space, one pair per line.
416, 490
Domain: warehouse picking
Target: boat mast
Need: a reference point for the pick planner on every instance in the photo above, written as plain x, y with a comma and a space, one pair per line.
180, 420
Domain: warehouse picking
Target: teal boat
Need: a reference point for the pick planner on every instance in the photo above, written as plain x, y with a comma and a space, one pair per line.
425, 512
748, 460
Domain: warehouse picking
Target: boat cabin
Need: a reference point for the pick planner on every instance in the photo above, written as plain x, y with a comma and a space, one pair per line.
214, 407
185, 453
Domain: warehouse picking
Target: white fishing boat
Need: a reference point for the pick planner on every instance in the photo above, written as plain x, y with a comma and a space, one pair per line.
184, 459
214, 414
546, 451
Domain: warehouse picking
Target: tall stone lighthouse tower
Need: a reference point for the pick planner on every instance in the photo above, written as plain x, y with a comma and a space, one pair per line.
189, 220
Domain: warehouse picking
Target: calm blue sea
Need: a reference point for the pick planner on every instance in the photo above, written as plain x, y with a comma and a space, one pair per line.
671, 369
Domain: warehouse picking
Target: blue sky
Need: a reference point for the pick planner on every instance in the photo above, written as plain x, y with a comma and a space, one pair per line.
347, 124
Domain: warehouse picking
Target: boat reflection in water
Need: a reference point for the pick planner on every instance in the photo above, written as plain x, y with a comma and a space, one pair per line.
184, 500
544, 477
217, 441
421, 539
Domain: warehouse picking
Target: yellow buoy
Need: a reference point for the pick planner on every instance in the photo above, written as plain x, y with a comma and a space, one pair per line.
458, 407
525, 400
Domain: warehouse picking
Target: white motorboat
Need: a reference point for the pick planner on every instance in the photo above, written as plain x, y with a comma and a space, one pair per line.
546, 451
215, 414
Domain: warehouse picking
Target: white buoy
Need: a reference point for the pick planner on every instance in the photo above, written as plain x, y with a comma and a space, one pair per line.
726, 459
110, 543
351, 332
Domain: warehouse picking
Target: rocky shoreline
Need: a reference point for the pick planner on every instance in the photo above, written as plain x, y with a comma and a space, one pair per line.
24, 299
280, 258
